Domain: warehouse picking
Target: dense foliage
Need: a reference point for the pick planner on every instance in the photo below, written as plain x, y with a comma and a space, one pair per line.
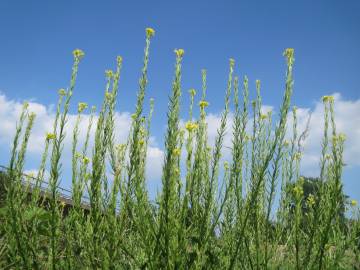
247, 213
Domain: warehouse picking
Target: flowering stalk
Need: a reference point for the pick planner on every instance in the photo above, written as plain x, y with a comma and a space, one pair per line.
55, 166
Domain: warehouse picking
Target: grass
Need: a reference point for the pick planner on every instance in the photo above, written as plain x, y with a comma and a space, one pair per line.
217, 216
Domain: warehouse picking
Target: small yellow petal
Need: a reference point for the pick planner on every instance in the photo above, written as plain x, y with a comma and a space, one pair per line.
203, 104
82, 106
62, 92
232, 62
109, 74
289, 52
78, 54
192, 92
86, 160
150, 32
50, 136
190, 126
177, 152
179, 52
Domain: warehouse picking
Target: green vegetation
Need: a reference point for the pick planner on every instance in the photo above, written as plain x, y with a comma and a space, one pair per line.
218, 216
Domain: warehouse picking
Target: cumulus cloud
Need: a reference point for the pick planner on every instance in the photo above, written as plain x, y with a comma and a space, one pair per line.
10, 111
155, 158
214, 120
347, 118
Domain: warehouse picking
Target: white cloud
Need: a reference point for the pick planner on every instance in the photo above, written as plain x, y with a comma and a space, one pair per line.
10, 111
347, 119
155, 158
214, 121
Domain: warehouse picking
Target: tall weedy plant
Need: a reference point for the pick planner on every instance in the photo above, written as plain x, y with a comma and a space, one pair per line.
237, 205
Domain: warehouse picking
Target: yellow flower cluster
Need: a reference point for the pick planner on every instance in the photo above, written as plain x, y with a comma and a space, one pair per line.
62, 92
353, 202
310, 200
263, 116
109, 73
50, 136
120, 147
32, 115
83, 158
289, 53
297, 156
86, 160
286, 143
341, 137
82, 106
149, 32
118, 59
192, 92
108, 96
298, 191
232, 62
78, 54
247, 137
190, 126
203, 104
177, 152
179, 52
326, 99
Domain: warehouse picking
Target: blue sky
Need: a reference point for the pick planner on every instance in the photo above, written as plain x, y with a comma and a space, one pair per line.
37, 38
